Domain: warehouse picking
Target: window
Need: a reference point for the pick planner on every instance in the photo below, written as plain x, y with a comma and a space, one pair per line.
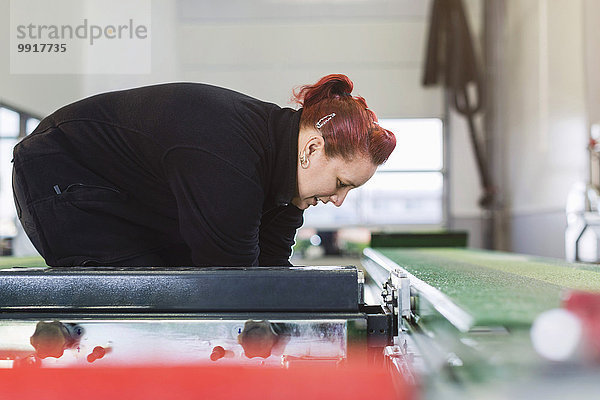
14, 125
406, 190
31, 124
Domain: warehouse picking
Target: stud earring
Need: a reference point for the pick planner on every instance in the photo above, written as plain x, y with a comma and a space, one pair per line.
303, 160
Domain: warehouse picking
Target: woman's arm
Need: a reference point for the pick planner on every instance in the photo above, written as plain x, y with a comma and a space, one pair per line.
219, 207
277, 234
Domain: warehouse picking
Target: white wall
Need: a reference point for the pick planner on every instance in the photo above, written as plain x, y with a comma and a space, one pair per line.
37, 94
265, 48
276, 46
545, 117
548, 95
545, 103
591, 12
164, 64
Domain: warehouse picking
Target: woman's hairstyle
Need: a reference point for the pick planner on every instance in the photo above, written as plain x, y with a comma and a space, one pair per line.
345, 121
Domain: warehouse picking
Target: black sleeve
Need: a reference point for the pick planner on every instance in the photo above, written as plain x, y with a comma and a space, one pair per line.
277, 234
219, 207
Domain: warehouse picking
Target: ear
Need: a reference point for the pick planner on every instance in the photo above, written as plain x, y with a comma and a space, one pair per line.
314, 145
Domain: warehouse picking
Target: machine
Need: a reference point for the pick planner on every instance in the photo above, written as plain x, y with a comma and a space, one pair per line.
432, 323
490, 325
115, 316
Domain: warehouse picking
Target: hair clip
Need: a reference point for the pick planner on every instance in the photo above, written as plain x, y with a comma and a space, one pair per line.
324, 120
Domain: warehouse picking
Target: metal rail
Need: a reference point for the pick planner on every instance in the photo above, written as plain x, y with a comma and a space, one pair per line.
458, 317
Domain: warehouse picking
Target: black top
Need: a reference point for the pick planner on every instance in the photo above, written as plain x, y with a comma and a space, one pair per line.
207, 289
216, 167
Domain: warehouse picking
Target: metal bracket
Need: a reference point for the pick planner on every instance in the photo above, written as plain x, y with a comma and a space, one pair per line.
400, 362
396, 295
361, 286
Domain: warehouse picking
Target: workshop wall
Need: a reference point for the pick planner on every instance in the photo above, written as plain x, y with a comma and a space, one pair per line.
164, 55
544, 111
266, 48
37, 94
547, 98
591, 12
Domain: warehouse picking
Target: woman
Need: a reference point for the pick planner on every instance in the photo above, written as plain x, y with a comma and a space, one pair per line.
190, 174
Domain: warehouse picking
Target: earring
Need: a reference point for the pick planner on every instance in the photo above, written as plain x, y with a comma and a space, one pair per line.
303, 160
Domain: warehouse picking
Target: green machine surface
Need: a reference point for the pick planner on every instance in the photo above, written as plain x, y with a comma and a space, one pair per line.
468, 335
496, 288
419, 239
9, 262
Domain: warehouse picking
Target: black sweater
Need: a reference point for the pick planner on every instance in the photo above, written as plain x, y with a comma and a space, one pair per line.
216, 167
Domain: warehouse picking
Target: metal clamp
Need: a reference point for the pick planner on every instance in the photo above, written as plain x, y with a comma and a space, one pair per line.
396, 295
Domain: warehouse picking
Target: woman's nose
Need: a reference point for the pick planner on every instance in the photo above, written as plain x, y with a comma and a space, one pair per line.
338, 198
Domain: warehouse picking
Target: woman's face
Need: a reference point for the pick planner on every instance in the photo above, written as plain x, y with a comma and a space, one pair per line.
328, 179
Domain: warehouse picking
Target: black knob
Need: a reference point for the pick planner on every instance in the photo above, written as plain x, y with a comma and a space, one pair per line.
50, 339
257, 339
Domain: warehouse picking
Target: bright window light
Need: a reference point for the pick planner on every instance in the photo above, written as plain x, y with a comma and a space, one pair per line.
9, 123
10, 133
7, 205
31, 124
418, 144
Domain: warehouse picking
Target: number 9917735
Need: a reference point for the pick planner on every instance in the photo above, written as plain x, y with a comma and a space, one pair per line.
41, 48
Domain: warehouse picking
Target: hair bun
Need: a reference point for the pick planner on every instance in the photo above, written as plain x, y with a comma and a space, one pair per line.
328, 87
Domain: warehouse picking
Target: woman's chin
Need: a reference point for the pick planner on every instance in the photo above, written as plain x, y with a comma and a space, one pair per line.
299, 203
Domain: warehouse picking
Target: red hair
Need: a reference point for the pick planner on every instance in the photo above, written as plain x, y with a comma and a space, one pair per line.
354, 129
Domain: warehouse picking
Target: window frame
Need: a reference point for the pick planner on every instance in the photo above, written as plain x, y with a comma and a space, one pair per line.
23, 117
